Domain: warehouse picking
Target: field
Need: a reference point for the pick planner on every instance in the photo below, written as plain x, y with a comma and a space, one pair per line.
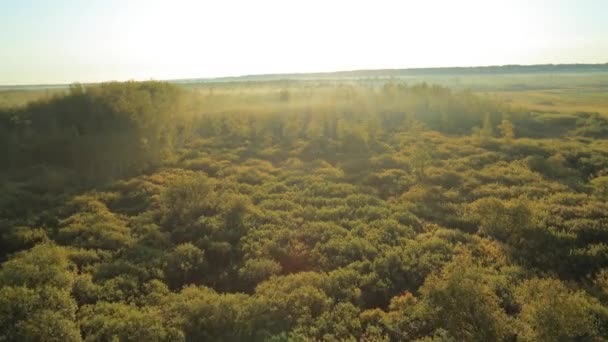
566, 95
427, 208
566, 101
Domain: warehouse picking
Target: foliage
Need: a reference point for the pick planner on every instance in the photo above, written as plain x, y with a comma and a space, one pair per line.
279, 211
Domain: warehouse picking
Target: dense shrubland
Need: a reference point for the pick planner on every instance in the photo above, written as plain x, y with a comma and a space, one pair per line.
300, 211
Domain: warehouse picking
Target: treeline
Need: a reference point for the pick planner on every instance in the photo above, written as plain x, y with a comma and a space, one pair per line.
447, 71
109, 129
116, 128
311, 212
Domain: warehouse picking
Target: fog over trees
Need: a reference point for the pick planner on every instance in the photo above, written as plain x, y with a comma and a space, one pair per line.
300, 211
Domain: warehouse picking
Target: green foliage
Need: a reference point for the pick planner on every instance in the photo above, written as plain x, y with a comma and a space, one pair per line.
94, 226
185, 265
300, 211
506, 130
466, 304
188, 196
35, 296
502, 221
47, 325
104, 130
600, 187
116, 321
43, 265
255, 271
552, 312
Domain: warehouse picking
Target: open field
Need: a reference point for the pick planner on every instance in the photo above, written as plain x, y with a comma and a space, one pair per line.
560, 100
20, 97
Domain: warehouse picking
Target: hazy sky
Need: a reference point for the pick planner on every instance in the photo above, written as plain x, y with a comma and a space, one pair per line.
64, 41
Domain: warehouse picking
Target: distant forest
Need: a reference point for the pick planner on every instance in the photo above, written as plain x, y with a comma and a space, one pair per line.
381, 73
450, 71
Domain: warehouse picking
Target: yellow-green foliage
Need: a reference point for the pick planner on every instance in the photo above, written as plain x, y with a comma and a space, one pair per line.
302, 211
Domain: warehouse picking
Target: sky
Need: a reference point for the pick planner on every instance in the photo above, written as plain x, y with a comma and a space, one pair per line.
64, 41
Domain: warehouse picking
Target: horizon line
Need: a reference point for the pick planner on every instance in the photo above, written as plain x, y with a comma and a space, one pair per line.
229, 78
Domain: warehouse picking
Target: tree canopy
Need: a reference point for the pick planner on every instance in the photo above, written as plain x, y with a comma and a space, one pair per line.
300, 211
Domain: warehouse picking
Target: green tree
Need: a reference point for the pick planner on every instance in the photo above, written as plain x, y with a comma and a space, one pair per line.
600, 187
43, 265
94, 226
121, 322
550, 311
255, 271
502, 220
466, 303
486, 129
48, 325
506, 130
420, 160
185, 265
35, 296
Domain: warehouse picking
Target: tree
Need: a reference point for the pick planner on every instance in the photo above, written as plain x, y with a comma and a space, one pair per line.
121, 322
465, 302
185, 265
413, 125
48, 325
340, 323
35, 296
420, 160
600, 187
43, 265
409, 318
506, 130
486, 129
188, 196
552, 312
204, 315
257, 270
76, 89
294, 299
94, 226
502, 220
